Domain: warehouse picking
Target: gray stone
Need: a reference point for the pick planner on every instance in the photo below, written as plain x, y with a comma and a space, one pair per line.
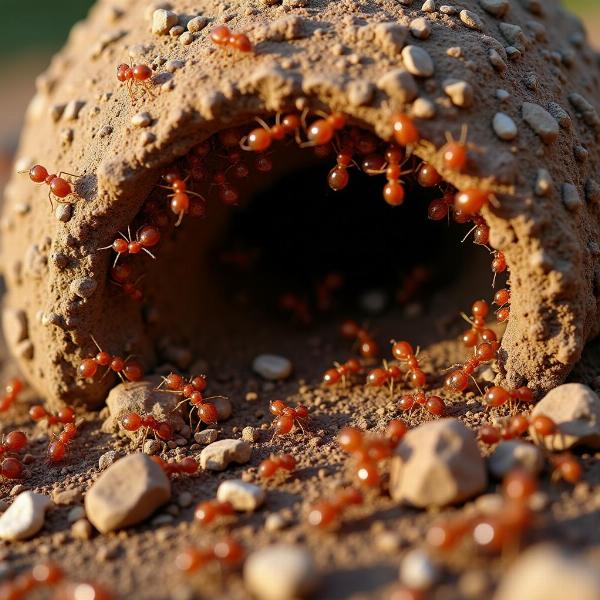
497, 8
417, 61
206, 436
515, 454
281, 572
127, 493
272, 366
575, 409
504, 127
437, 464
541, 121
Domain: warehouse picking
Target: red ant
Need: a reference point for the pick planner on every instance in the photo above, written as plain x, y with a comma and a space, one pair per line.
326, 513
479, 311
41, 575
341, 372
228, 194
11, 391
223, 36
297, 307
134, 422
58, 446
65, 415
497, 396
187, 465
427, 176
368, 450
321, 131
432, 404
191, 391
491, 532
458, 380
146, 237
480, 230
404, 129
14, 440
516, 426
393, 191
127, 370
270, 466
470, 201
502, 299
59, 187
380, 376
367, 346
180, 198
338, 177
11, 468
226, 553
439, 208
286, 417
261, 138
120, 275
404, 353
498, 264
567, 467
209, 510
454, 152
137, 75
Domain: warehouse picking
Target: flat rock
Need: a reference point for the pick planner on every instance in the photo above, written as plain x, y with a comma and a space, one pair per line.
242, 495
575, 409
127, 493
281, 572
25, 516
272, 366
545, 573
437, 464
541, 121
219, 455
142, 397
515, 454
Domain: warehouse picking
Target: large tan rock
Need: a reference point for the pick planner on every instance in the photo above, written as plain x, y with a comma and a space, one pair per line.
126, 493
575, 408
437, 464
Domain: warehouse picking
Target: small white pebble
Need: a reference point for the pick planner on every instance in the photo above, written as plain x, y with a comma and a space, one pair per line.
460, 92
176, 31
187, 38
417, 61
423, 108
142, 119
420, 28
272, 367
504, 127
418, 570
243, 496
197, 24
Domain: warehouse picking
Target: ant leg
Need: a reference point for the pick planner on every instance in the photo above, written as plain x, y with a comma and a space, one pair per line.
149, 253
70, 174
468, 234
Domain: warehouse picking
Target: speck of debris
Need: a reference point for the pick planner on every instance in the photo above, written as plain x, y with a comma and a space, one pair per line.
571, 198
72, 109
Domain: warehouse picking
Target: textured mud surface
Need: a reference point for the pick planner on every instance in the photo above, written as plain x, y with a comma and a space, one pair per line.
347, 56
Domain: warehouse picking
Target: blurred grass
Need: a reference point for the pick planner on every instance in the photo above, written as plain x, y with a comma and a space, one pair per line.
30, 26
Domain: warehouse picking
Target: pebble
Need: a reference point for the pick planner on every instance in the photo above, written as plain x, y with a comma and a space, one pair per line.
417, 61
575, 408
360, 93
72, 110
107, 459
163, 20
428, 6
197, 24
84, 287
473, 585
176, 31
399, 85
276, 522
281, 572
543, 183
423, 108
152, 447
560, 114
390, 37
570, 196
224, 408
250, 434
420, 28
186, 38
436, 464
219, 455
544, 572
81, 529
471, 19
272, 366
388, 542
76, 513
25, 516
541, 121
459, 91
418, 571
142, 119
127, 493
504, 127
64, 212
515, 454
173, 65
70, 496
206, 436
244, 496
497, 8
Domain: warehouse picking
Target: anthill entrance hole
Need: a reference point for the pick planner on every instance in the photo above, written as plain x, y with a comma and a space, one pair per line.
234, 281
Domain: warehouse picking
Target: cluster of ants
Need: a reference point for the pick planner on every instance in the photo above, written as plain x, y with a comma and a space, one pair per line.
47, 575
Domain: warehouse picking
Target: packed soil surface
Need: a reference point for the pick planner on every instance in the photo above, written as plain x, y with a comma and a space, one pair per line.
139, 562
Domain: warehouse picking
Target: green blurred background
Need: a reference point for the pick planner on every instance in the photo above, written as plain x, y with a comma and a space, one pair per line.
31, 30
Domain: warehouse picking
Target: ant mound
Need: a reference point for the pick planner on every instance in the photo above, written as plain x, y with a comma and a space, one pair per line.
369, 121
